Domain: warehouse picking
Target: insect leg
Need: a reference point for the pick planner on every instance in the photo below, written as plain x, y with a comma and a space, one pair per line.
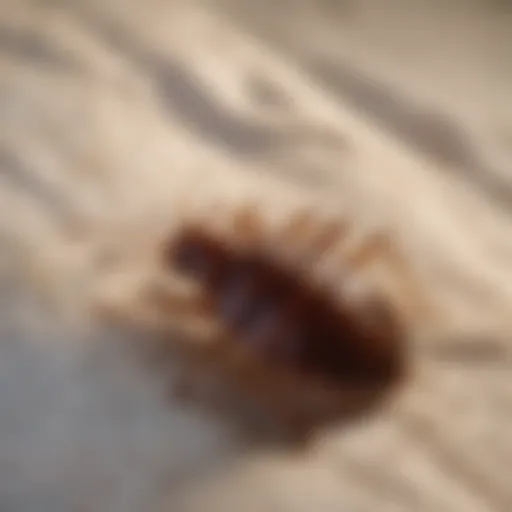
410, 289
247, 223
372, 249
296, 230
381, 247
311, 237
151, 306
325, 237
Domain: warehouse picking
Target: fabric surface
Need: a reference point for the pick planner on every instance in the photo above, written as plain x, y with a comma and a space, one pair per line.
117, 118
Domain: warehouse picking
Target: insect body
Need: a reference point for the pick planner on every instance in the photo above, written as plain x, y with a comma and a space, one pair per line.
266, 323
284, 318
310, 352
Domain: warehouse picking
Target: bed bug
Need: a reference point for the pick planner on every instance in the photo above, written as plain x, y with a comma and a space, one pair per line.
284, 320
310, 352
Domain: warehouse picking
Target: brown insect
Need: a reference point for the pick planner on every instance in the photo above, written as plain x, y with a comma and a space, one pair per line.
285, 319
285, 324
308, 353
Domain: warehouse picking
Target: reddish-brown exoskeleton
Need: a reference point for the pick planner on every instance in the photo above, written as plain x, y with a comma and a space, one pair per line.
285, 319
308, 353
288, 321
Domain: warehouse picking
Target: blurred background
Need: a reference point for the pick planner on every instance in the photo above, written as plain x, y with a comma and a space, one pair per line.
114, 116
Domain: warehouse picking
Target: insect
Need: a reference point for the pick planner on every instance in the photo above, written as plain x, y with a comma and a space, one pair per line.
282, 320
309, 352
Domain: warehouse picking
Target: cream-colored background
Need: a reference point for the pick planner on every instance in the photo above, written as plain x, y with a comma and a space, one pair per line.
398, 113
